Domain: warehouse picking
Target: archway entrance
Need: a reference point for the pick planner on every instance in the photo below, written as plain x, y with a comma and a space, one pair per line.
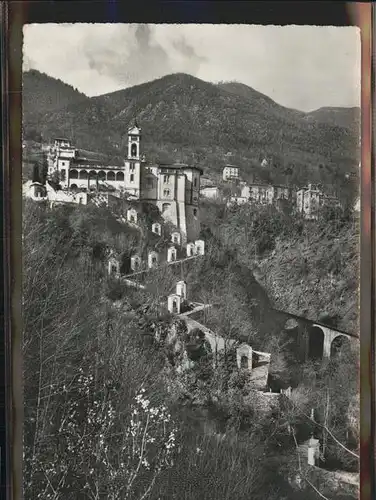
244, 362
315, 343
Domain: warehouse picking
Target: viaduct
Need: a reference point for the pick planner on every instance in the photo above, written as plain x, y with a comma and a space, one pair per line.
315, 340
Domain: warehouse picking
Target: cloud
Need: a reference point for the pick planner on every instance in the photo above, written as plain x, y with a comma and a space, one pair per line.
304, 67
132, 54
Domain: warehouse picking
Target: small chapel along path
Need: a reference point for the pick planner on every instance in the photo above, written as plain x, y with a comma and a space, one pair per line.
180, 261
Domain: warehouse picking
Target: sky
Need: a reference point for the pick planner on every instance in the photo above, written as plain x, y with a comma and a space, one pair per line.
301, 67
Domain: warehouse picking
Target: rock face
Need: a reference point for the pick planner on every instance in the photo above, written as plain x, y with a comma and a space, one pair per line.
328, 483
334, 482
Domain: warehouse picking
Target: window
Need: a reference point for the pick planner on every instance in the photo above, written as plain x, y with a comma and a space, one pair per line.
113, 269
62, 172
166, 179
134, 149
244, 362
132, 177
166, 192
131, 168
149, 182
195, 212
175, 239
195, 182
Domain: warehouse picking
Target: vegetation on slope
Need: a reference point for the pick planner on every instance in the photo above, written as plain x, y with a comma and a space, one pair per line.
86, 362
309, 268
42, 94
184, 118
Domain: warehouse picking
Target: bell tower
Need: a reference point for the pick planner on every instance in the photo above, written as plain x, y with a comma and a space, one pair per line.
132, 173
134, 142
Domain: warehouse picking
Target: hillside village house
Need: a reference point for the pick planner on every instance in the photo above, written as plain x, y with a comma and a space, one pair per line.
174, 189
261, 194
265, 194
310, 199
210, 192
39, 192
204, 182
34, 190
230, 173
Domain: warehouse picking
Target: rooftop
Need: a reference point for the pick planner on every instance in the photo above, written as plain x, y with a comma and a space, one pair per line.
267, 185
179, 166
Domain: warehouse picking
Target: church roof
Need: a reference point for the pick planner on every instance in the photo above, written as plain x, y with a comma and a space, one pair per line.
134, 128
179, 166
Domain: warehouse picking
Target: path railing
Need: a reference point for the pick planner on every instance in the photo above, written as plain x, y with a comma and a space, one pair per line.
173, 262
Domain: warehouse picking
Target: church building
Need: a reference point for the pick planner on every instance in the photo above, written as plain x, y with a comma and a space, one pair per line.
173, 188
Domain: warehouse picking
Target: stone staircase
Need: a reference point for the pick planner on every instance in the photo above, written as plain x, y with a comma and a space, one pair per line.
100, 199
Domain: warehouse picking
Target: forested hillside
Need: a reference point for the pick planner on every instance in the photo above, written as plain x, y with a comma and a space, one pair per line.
309, 268
106, 411
42, 94
349, 117
188, 119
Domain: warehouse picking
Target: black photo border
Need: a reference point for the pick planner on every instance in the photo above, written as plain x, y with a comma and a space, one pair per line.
14, 14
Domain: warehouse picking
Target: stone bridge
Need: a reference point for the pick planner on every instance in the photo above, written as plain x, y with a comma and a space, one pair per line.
255, 362
316, 340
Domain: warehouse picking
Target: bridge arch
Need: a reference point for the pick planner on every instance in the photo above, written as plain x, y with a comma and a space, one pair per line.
338, 345
316, 340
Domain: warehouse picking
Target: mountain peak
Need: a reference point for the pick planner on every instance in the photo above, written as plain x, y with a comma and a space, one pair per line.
42, 93
184, 116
